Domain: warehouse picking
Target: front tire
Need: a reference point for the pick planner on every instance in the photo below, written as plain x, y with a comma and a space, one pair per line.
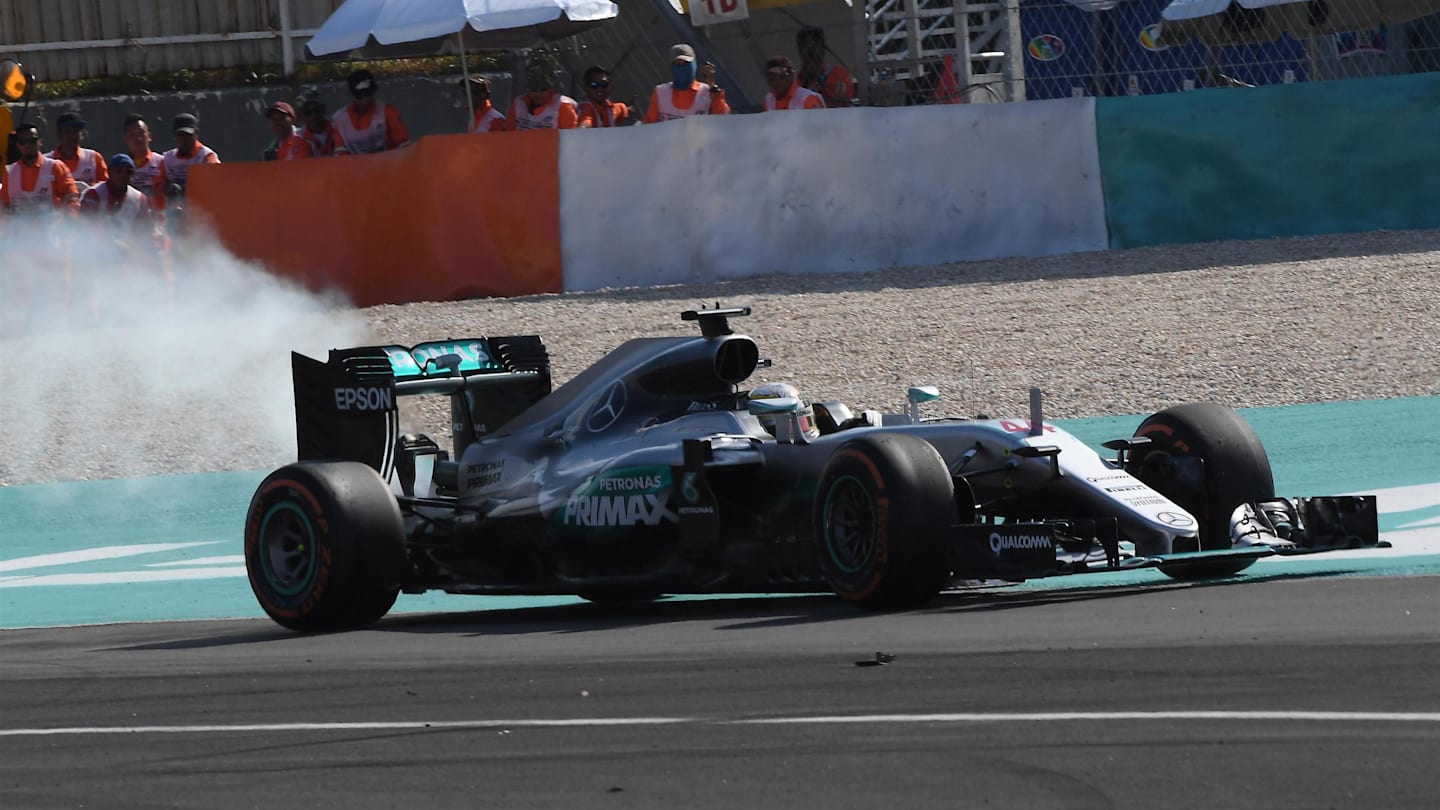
324, 546
883, 511
1207, 459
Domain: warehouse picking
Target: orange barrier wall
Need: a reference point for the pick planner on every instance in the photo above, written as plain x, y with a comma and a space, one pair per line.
450, 217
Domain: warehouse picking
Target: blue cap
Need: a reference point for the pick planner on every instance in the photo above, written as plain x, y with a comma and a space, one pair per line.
122, 159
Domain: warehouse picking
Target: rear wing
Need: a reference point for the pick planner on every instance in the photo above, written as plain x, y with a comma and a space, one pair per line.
346, 408
443, 359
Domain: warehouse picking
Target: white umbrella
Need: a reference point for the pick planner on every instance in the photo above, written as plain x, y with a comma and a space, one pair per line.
386, 29
391, 29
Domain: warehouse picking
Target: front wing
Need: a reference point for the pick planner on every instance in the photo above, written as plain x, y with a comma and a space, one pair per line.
1018, 551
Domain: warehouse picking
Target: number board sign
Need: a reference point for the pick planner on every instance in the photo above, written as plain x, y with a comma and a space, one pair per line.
709, 12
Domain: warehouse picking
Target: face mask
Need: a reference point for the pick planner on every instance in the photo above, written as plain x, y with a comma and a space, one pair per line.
682, 75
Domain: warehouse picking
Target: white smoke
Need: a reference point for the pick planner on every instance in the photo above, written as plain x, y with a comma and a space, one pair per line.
110, 370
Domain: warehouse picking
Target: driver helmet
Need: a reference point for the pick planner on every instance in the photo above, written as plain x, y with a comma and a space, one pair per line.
805, 416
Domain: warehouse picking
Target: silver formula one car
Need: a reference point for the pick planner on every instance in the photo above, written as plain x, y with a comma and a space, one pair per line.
654, 472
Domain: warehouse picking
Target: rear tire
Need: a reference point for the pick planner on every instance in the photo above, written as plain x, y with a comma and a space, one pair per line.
883, 511
324, 546
1236, 470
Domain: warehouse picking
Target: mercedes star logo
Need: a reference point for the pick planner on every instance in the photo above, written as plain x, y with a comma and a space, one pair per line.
608, 409
1175, 519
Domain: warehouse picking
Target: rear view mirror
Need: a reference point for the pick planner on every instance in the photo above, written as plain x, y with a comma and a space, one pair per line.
13, 81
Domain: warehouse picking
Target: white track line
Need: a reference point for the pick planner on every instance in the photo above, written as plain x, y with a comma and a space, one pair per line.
86, 555
581, 722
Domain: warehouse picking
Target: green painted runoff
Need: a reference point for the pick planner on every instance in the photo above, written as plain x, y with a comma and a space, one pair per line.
1282, 160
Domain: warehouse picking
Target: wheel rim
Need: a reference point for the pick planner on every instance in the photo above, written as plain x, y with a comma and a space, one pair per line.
1178, 478
1180, 475
849, 524
287, 549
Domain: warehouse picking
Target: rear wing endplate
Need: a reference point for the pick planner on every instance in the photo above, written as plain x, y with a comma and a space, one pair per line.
346, 409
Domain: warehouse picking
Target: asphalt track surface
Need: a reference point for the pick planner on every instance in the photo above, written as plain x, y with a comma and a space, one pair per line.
1275, 692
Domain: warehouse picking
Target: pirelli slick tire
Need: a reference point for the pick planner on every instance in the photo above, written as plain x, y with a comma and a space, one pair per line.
883, 510
1234, 469
324, 546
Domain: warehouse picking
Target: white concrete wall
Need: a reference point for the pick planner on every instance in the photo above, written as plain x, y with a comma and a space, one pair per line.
820, 192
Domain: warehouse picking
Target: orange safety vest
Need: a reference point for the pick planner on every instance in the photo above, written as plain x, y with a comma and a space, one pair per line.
665, 102
87, 165
833, 81
602, 115
321, 144
131, 207
294, 147
42, 196
488, 120
365, 141
547, 118
145, 170
797, 100
177, 169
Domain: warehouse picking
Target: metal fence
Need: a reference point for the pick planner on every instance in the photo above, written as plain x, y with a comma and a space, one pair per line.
909, 52
1132, 48
903, 51
82, 39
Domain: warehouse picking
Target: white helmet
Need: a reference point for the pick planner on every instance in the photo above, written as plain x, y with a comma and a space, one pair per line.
804, 414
